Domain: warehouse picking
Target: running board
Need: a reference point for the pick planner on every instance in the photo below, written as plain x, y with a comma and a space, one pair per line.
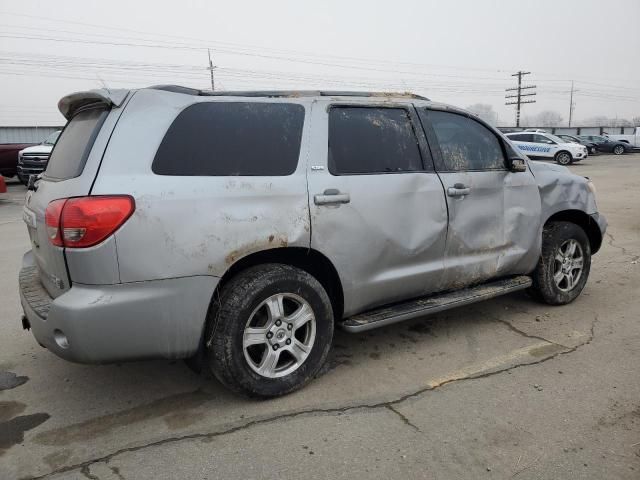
432, 304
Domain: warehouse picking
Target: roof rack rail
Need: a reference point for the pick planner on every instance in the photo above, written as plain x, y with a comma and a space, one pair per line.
176, 89
282, 93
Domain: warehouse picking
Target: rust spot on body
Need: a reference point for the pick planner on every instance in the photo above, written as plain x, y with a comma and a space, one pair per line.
238, 253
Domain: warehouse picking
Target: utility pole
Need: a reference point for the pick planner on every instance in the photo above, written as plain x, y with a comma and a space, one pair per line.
211, 67
571, 104
518, 96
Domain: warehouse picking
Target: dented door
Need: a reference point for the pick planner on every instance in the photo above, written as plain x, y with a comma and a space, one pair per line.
384, 231
494, 214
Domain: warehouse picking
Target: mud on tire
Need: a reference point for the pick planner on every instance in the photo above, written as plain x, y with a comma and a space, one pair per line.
246, 305
557, 279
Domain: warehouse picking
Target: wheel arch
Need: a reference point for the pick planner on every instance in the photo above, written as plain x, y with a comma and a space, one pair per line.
584, 221
557, 154
307, 259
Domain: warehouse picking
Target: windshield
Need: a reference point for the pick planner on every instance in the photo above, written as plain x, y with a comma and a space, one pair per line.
51, 139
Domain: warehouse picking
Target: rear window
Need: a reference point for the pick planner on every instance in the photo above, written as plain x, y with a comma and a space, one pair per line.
232, 139
74, 144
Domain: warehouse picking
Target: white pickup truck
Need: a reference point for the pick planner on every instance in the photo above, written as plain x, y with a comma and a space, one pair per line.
632, 139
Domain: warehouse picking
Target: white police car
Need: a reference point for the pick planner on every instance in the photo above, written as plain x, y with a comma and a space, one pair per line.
542, 145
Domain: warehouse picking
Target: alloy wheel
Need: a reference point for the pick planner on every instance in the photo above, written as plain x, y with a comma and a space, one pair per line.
568, 265
564, 159
279, 335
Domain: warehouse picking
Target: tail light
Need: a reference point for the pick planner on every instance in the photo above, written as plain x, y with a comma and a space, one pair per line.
86, 221
52, 220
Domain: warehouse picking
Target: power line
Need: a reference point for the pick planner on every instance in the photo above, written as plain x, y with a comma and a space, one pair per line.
518, 96
258, 50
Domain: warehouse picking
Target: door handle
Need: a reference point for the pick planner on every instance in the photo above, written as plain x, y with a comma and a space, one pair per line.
331, 196
458, 190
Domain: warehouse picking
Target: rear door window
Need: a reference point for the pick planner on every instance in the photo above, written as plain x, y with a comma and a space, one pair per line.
74, 144
232, 139
365, 140
542, 139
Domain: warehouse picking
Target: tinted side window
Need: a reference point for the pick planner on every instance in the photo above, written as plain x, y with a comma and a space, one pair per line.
232, 138
372, 140
542, 139
466, 144
74, 144
516, 138
527, 137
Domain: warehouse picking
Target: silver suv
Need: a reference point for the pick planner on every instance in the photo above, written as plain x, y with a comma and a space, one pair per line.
240, 228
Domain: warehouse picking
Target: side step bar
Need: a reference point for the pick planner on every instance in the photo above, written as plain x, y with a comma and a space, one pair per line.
432, 304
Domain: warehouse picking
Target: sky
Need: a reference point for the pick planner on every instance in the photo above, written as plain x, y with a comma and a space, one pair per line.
460, 52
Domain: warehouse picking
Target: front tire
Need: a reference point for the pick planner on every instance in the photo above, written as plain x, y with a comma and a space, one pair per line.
271, 331
564, 158
564, 265
618, 150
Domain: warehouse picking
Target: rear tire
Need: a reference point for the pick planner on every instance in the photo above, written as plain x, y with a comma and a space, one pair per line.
564, 265
564, 158
271, 330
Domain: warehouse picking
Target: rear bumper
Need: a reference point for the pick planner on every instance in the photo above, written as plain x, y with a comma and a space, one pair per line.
112, 323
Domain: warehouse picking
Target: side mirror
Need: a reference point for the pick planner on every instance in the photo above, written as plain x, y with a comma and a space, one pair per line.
517, 164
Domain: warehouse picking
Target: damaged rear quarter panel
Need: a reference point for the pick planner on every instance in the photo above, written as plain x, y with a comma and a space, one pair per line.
195, 225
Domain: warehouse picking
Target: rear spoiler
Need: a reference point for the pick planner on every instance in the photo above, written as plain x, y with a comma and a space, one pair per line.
70, 104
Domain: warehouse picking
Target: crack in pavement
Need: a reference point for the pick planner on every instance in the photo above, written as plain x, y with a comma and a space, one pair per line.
87, 473
515, 329
84, 466
634, 258
116, 472
404, 419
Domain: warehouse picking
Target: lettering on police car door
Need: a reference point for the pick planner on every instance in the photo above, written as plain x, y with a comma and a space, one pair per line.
534, 148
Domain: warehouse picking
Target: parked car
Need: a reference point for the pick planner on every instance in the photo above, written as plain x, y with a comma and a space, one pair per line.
605, 144
33, 160
632, 139
9, 158
243, 227
539, 145
591, 147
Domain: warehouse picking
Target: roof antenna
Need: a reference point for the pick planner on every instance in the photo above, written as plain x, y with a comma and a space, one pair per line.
104, 84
